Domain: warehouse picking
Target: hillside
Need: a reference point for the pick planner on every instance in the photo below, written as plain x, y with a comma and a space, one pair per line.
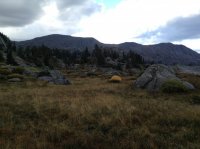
166, 53
56, 41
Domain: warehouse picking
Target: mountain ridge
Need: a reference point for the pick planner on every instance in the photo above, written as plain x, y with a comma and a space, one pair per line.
166, 53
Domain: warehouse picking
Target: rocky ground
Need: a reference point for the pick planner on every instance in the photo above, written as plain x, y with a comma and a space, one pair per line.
195, 70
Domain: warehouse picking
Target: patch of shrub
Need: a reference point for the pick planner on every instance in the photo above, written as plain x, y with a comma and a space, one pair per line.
196, 99
1, 57
14, 75
173, 86
5, 71
3, 77
193, 79
43, 73
2, 64
19, 70
33, 69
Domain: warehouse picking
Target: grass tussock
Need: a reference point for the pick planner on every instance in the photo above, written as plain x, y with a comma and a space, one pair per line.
194, 79
92, 113
15, 75
173, 86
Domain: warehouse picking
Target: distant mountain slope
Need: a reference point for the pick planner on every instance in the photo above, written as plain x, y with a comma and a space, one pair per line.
166, 53
61, 42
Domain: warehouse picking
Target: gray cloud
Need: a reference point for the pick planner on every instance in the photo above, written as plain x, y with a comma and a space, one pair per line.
19, 12
62, 4
179, 29
73, 10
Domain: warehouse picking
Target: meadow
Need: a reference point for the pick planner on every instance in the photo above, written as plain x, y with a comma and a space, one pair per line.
93, 113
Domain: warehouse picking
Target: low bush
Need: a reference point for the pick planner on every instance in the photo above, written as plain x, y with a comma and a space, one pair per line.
5, 71
193, 79
33, 69
173, 86
196, 99
1, 57
43, 73
19, 70
14, 75
3, 77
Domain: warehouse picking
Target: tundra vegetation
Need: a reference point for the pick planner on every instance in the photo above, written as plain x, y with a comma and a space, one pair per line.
92, 112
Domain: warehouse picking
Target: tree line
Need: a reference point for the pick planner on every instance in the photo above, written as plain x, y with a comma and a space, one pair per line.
43, 55
8, 49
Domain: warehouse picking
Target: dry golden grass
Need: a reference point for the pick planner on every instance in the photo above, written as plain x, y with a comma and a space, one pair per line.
194, 79
93, 113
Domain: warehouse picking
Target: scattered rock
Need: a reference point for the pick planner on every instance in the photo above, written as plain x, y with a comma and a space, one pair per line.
110, 71
194, 70
155, 75
59, 78
15, 80
20, 62
188, 85
134, 71
46, 78
110, 63
32, 71
54, 76
92, 72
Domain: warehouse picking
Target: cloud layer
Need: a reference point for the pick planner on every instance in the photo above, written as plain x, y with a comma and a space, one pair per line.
22, 12
19, 12
74, 10
179, 29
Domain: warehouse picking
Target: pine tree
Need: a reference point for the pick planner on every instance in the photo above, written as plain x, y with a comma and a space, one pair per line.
85, 55
99, 55
10, 59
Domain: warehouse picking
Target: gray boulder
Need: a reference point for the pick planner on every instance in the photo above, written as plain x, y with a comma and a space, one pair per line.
59, 78
188, 85
20, 61
53, 76
155, 75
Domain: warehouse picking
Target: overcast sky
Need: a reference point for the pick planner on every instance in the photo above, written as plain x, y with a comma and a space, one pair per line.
109, 21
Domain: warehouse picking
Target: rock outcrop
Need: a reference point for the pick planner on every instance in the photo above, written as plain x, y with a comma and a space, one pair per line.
155, 75
53, 76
